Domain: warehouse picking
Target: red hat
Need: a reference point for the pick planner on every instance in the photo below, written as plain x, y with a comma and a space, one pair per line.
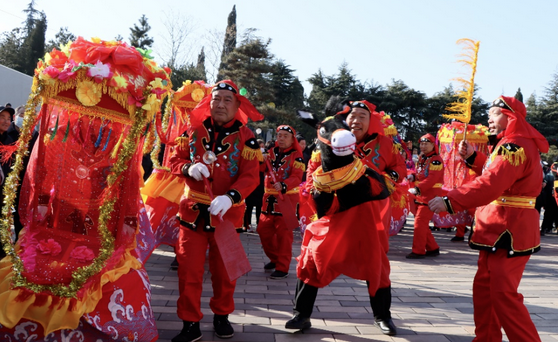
429, 138
245, 110
375, 125
291, 130
517, 125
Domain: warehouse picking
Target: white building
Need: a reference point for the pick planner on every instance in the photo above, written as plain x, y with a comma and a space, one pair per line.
14, 87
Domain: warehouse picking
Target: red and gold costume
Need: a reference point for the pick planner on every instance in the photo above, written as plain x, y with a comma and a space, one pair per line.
163, 190
428, 182
234, 174
276, 237
76, 270
506, 229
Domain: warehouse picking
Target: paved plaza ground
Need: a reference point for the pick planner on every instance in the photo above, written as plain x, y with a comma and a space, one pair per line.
431, 297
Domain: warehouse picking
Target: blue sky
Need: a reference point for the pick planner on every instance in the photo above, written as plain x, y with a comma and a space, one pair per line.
413, 41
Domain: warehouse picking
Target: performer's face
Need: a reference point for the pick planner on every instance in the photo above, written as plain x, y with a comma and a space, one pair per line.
426, 147
497, 121
358, 121
5, 121
224, 106
284, 139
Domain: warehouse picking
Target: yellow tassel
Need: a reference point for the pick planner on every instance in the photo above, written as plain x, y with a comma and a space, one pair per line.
398, 203
515, 158
389, 183
435, 167
249, 153
114, 152
299, 165
396, 148
316, 156
462, 107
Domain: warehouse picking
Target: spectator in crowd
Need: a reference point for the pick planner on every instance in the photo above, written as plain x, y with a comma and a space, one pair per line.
17, 123
549, 203
6, 116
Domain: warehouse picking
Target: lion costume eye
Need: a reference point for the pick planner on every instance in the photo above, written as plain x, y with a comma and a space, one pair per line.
322, 131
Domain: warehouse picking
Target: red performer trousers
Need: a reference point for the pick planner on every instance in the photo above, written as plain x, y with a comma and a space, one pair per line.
277, 241
423, 240
191, 250
384, 238
496, 301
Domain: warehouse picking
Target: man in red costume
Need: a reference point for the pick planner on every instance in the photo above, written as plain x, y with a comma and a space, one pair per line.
288, 167
506, 231
377, 150
428, 184
218, 128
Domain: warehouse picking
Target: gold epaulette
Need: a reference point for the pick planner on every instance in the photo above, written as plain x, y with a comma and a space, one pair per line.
249, 153
299, 165
435, 167
514, 154
316, 156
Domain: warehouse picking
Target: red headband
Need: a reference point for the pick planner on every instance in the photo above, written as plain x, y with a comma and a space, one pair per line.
375, 125
291, 130
245, 110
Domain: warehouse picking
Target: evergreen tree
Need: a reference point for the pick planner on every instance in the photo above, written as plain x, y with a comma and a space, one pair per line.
34, 47
11, 49
230, 42
201, 64
138, 35
544, 116
61, 38
185, 72
519, 95
119, 38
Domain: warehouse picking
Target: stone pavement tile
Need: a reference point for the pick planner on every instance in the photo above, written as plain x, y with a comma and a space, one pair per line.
361, 338
304, 337
432, 298
420, 338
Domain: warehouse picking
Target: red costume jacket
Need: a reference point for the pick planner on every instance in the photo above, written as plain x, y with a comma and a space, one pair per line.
429, 177
234, 173
288, 167
505, 195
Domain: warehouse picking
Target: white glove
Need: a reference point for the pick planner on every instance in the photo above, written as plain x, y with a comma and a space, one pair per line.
198, 171
413, 191
220, 205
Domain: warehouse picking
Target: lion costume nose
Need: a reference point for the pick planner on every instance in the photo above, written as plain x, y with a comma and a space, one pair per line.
343, 142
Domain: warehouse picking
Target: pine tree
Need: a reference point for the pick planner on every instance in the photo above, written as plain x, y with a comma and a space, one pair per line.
519, 95
35, 44
138, 35
61, 38
201, 64
230, 42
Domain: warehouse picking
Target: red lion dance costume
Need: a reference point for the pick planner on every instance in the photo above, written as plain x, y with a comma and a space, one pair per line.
74, 274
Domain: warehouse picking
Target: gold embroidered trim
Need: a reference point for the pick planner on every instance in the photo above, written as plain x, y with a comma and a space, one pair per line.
336, 179
272, 191
316, 156
515, 201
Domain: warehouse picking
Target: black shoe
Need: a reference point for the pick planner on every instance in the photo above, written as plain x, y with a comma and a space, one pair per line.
278, 275
222, 326
174, 264
433, 253
386, 326
457, 238
298, 322
190, 332
269, 266
414, 256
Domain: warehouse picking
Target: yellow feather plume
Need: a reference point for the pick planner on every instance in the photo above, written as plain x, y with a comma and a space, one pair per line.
462, 107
